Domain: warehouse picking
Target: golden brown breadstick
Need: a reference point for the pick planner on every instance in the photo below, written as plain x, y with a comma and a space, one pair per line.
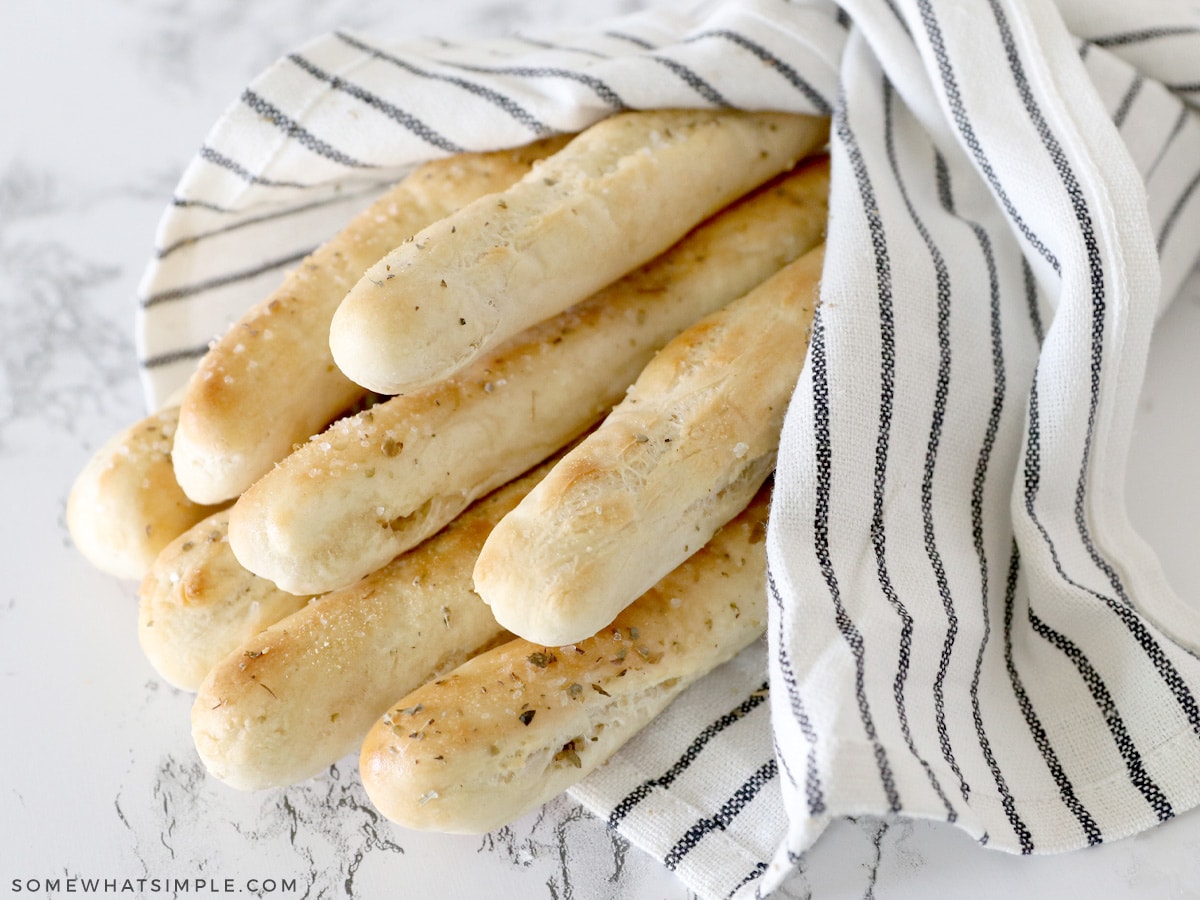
125, 504
270, 380
197, 603
375, 484
619, 194
682, 453
517, 725
302, 694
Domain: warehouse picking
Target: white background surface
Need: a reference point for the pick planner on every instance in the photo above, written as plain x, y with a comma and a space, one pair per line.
103, 102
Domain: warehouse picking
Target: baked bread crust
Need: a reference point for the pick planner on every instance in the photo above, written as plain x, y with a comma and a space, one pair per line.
297, 697
616, 196
197, 603
125, 505
376, 483
513, 727
686, 449
270, 380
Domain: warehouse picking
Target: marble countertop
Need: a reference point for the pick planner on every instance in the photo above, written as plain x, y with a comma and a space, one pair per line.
104, 103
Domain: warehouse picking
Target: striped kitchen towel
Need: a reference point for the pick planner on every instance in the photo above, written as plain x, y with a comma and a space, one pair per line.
963, 624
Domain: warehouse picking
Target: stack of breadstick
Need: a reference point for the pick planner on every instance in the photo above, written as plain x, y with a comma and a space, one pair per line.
483, 484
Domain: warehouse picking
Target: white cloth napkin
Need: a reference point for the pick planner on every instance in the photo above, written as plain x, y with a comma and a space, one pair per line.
963, 624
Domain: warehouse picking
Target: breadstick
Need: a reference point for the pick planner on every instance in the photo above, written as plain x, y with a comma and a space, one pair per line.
374, 484
688, 446
515, 726
125, 504
616, 196
302, 694
270, 380
197, 603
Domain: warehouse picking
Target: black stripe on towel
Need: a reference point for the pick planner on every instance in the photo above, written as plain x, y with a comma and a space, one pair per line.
1132, 621
217, 158
1180, 121
967, 131
271, 216
1126, 103
220, 281
978, 484
403, 118
596, 85
510, 106
845, 625
685, 760
630, 38
814, 793
1036, 730
1108, 710
937, 420
298, 133
173, 356
1125, 38
692, 80
753, 875
561, 48
789, 74
887, 373
1087, 234
729, 811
